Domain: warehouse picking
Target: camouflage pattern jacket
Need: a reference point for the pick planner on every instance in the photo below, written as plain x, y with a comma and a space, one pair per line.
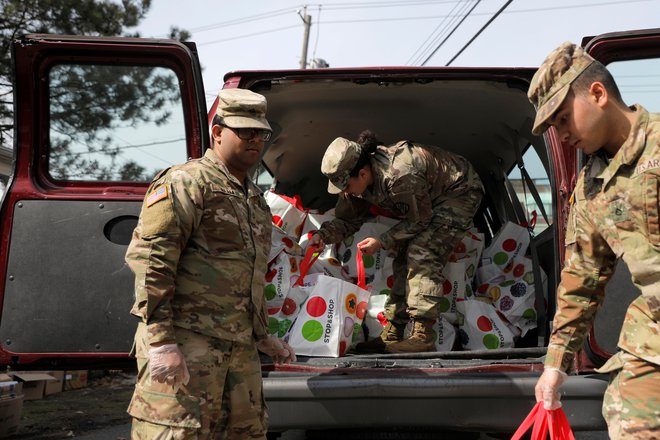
199, 254
414, 182
614, 214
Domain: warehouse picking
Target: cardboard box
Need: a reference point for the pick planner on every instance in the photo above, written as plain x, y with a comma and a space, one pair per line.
10, 388
54, 386
10, 415
75, 379
34, 383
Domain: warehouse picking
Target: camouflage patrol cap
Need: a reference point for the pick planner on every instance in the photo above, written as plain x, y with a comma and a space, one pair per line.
242, 108
552, 81
338, 161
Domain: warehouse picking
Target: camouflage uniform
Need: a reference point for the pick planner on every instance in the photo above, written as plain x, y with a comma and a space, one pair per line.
436, 194
199, 253
613, 215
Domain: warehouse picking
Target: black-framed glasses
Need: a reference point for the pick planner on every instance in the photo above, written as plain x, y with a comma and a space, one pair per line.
247, 134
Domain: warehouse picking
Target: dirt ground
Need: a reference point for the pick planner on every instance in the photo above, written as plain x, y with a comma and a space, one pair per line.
102, 403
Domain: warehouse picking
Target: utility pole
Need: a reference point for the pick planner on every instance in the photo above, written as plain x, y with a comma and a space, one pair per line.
307, 20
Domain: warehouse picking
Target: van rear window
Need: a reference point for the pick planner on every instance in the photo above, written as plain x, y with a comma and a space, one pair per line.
113, 123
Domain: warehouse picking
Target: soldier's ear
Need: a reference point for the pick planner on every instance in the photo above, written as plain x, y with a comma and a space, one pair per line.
215, 132
598, 92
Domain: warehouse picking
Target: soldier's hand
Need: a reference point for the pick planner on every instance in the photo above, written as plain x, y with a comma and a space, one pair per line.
547, 388
167, 365
369, 246
277, 349
316, 240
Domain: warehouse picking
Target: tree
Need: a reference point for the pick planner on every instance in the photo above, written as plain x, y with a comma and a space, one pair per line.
138, 95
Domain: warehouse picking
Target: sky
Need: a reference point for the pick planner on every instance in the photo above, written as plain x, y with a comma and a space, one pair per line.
269, 34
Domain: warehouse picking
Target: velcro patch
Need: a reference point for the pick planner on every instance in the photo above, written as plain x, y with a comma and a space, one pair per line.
157, 195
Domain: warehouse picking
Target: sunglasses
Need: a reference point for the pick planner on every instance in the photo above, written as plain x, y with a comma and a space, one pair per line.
247, 134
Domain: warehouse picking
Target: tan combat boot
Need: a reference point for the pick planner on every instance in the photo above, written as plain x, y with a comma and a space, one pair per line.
391, 333
422, 338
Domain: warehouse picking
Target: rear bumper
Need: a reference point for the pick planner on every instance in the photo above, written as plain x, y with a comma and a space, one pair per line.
483, 402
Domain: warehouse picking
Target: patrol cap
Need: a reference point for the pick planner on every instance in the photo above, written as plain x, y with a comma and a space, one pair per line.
339, 159
552, 81
242, 108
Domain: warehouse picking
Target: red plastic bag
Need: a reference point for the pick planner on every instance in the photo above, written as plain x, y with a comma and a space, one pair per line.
544, 422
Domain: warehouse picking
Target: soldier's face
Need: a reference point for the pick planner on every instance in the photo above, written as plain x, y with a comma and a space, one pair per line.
357, 185
237, 153
579, 122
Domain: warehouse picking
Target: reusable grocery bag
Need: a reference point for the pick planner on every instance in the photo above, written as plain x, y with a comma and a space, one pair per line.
331, 315
453, 291
327, 262
348, 252
287, 213
469, 251
375, 320
281, 241
511, 240
544, 422
284, 308
482, 328
513, 291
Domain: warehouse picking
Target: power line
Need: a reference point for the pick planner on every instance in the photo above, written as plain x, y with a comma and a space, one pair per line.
427, 42
479, 32
451, 33
249, 35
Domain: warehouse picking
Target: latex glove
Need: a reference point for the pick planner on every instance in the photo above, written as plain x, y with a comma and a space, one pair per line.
369, 246
316, 240
277, 349
547, 388
167, 365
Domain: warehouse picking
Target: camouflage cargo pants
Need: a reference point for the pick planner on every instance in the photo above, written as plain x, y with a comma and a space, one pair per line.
418, 265
631, 405
222, 400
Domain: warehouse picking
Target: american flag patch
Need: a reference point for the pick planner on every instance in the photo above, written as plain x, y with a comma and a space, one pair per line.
156, 195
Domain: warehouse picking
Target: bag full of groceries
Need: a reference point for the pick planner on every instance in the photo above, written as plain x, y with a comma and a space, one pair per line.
329, 318
287, 212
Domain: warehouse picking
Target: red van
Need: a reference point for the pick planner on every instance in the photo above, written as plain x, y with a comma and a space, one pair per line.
96, 118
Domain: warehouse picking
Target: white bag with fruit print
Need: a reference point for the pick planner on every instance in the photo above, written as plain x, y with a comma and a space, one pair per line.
330, 317
511, 241
482, 327
287, 290
287, 213
512, 291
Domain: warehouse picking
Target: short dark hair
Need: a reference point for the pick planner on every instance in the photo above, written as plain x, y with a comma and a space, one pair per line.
217, 120
596, 72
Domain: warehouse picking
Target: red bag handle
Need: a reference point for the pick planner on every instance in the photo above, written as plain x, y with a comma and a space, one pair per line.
361, 279
545, 421
311, 255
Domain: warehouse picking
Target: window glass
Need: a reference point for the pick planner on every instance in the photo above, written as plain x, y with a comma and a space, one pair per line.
541, 182
114, 123
638, 81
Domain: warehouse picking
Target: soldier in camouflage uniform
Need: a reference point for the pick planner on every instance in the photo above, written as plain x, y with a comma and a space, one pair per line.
435, 193
199, 255
613, 215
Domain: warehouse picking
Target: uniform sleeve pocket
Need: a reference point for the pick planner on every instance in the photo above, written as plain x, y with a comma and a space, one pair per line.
163, 408
651, 207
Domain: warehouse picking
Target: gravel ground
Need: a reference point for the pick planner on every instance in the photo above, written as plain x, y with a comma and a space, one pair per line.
73, 413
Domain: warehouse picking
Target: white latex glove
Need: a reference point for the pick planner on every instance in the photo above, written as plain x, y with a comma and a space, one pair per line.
167, 365
277, 349
547, 388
